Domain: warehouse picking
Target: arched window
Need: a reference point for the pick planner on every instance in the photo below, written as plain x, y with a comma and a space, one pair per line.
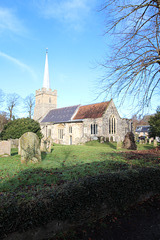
112, 125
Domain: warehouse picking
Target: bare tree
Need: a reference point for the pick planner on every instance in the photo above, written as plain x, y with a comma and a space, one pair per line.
12, 102
133, 68
29, 103
3, 120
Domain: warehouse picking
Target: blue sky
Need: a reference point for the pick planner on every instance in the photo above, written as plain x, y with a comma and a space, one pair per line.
73, 32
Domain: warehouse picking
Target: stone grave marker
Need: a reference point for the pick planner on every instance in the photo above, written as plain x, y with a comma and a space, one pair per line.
150, 140
155, 143
29, 148
46, 144
5, 148
14, 143
129, 141
119, 144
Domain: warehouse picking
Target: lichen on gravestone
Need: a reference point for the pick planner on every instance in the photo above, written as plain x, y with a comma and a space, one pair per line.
129, 141
29, 148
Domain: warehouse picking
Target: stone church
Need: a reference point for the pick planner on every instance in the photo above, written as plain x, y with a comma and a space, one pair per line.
77, 124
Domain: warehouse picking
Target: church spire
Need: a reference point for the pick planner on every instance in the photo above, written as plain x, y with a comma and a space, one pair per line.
46, 83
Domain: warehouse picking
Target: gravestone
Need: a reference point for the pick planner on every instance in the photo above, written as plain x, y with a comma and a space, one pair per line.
119, 145
5, 148
29, 148
155, 143
101, 139
14, 143
146, 140
129, 141
150, 141
46, 144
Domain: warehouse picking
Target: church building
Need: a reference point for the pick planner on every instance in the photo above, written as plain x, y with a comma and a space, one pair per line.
77, 124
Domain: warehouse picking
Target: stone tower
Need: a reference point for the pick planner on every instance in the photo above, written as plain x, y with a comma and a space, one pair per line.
45, 98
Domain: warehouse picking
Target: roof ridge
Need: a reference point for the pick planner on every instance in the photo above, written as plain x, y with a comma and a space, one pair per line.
65, 107
95, 103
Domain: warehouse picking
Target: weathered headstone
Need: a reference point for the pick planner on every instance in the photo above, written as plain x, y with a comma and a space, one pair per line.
140, 141
5, 148
119, 145
146, 140
155, 143
150, 140
29, 148
129, 141
46, 144
14, 143
101, 139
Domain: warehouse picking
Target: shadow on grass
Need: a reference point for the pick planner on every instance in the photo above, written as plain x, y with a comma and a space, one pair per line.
43, 155
147, 147
111, 145
14, 151
46, 175
31, 179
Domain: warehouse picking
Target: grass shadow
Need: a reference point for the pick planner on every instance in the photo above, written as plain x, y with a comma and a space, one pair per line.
111, 145
148, 147
14, 151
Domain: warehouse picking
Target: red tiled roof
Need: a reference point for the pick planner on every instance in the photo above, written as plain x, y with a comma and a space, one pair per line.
91, 111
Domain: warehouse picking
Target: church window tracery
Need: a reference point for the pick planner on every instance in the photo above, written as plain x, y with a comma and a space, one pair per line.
112, 125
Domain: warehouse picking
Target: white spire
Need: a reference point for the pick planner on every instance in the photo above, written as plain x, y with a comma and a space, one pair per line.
46, 83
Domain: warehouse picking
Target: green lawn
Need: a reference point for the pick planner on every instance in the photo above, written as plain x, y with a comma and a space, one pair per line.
66, 163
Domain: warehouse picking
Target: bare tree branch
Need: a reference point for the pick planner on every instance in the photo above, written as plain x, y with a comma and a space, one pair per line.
12, 103
29, 103
133, 68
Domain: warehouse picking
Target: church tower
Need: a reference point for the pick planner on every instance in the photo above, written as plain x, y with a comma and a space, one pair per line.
45, 98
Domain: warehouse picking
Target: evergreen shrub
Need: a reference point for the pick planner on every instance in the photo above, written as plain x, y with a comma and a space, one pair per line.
16, 128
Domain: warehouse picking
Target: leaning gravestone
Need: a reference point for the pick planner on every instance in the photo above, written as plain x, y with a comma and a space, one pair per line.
29, 148
5, 148
129, 141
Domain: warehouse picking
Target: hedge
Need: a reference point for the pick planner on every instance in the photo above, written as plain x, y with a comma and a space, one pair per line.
86, 200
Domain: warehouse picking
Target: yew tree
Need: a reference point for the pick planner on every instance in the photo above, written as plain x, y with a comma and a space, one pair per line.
16, 128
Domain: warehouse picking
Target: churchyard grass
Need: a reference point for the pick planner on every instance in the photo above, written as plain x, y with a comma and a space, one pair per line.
67, 163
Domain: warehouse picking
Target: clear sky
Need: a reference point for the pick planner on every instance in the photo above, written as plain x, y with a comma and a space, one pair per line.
73, 32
